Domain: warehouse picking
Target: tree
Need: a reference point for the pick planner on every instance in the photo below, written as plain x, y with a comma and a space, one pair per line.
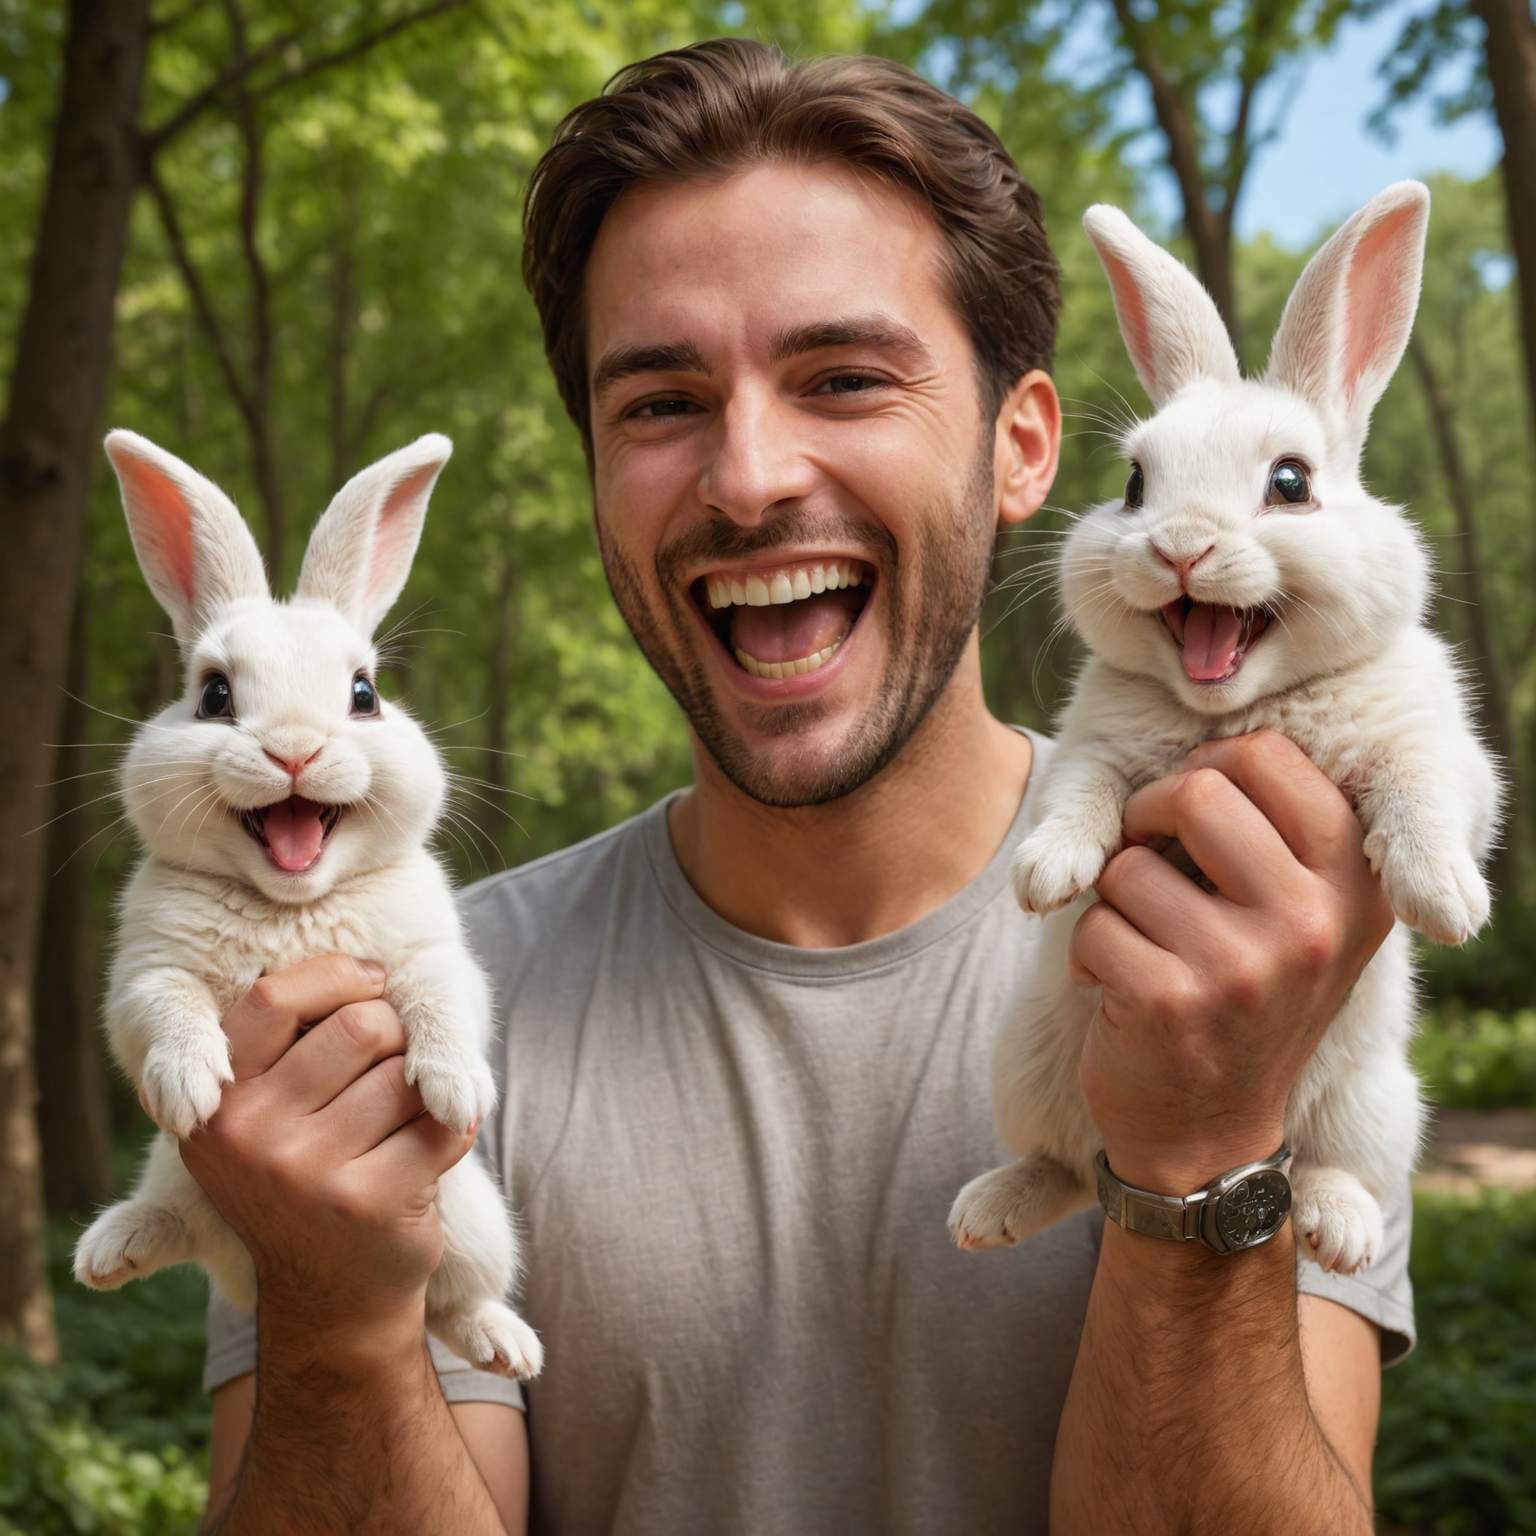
1205, 64
47, 448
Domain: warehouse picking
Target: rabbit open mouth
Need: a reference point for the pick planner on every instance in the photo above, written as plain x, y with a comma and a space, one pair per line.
293, 831
1212, 638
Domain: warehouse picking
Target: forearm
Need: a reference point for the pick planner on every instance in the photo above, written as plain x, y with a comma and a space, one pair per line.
354, 1440
1188, 1408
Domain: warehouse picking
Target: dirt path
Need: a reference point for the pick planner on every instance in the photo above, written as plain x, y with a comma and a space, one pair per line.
1471, 1149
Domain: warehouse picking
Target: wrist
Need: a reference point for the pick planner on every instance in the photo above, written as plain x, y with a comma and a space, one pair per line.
1183, 1163
301, 1332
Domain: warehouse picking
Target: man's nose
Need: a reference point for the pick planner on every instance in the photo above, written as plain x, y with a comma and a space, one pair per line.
759, 459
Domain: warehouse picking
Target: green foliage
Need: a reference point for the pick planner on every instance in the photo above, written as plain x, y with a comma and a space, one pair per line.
1458, 1418
1494, 970
1482, 1060
62, 1473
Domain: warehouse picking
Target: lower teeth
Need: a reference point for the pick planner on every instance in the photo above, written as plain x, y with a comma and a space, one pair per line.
786, 668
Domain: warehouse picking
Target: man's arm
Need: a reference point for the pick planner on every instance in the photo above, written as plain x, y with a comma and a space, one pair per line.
322, 1161
494, 1434
1200, 1401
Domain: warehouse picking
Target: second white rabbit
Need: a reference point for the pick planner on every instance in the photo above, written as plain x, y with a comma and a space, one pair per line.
1247, 580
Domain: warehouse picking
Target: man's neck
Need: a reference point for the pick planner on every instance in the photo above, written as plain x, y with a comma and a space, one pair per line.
823, 876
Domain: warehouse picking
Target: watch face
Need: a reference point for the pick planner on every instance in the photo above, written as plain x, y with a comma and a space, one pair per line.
1254, 1209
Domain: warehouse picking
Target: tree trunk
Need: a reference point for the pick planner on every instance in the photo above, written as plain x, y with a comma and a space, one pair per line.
48, 449
1210, 232
1511, 51
73, 1116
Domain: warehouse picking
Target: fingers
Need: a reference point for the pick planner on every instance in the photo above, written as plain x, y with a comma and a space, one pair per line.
336, 1052
1158, 900
264, 1023
1298, 799
419, 1151
369, 1110
1110, 952
1220, 828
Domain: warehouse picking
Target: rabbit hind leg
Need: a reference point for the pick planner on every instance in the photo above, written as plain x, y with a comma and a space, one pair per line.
466, 1306
1010, 1203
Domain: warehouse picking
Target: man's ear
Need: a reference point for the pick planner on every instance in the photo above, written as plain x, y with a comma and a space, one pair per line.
1028, 446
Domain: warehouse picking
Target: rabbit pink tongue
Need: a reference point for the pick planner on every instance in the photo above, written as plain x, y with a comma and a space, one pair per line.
1212, 636
294, 833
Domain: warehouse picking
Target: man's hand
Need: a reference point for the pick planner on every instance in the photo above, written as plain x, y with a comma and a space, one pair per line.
1213, 1003
321, 1158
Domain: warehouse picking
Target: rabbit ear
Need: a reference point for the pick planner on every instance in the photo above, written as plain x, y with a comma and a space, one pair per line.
193, 546
1171, 326
361, 550
1348, 319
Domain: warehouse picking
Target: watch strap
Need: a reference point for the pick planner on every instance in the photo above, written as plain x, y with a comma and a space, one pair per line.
1177, 1218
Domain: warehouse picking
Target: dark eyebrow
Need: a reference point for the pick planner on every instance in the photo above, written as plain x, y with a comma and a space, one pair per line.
878, 331
622, 362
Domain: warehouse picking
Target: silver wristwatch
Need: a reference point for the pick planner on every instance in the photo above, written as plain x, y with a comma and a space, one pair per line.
1239, 1209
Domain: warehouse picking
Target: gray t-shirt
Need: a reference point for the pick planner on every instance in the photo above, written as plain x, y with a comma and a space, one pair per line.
733, 1160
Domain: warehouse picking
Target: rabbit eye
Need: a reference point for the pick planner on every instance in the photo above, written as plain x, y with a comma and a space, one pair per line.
217, 702
1288, 483
364, 700
1135, 486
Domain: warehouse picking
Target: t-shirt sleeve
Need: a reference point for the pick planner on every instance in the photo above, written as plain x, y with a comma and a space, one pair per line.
232, 1353
1380, 1291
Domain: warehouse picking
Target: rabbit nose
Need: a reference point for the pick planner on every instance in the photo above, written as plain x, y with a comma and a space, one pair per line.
1181, 565
294, 766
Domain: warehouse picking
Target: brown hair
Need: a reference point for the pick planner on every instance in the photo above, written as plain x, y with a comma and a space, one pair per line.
718, 107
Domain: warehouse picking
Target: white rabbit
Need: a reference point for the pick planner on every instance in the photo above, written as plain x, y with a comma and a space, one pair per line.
1248, 580
285, 809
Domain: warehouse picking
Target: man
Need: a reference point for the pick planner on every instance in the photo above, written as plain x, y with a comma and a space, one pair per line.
801, 315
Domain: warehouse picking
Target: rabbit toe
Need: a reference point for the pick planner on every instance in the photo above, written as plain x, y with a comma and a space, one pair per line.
1445, 899
127, 1242
492, 1337
1052, 869
455, 1090
1338, 1220
183, 1085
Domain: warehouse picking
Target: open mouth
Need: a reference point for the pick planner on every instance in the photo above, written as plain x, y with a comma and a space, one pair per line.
293, 831
1212, 638
787, 621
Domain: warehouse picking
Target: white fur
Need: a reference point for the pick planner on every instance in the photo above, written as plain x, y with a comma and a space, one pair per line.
1346, 669
207, 913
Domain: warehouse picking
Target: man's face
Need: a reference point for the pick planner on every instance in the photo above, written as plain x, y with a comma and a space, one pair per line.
793, 479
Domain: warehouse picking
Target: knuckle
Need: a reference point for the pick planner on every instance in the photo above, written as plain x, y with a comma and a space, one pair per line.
1201, 789
359, 1024
264, 996
1314, 941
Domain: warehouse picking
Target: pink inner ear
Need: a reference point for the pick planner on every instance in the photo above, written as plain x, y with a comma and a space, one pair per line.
391, 538
1371, 294
164, 523
1133, 315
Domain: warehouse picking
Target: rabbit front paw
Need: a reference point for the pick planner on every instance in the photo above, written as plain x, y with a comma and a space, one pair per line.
491, 1336
1055, 864
455, 1086
1337, 1219
1445, 898
182, 1084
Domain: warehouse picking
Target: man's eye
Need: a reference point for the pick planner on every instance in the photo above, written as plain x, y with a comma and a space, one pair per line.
655, 408
852, 384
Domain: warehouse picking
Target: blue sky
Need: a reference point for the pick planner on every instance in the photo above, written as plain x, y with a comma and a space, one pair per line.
1326, 162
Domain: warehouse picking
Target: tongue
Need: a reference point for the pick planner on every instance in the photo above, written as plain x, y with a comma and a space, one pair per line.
294, 833
1211, 638
788, 631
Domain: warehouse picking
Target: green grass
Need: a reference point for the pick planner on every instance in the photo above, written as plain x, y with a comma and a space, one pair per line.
1457, 1450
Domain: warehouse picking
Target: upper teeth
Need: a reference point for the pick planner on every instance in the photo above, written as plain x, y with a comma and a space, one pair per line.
786, 585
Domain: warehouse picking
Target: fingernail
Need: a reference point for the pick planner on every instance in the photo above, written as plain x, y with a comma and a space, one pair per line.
373, 971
